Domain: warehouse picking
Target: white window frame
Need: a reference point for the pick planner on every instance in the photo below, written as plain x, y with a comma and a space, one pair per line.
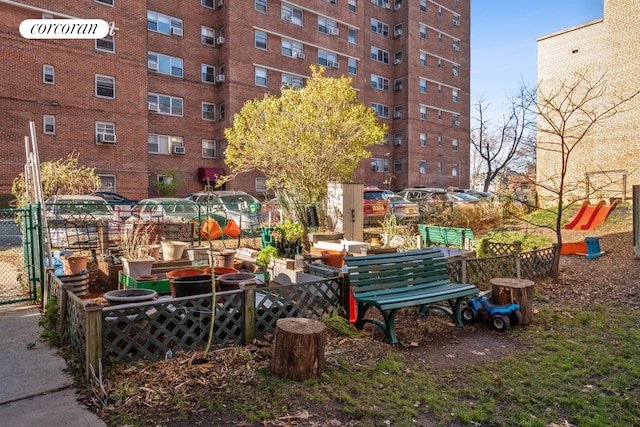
260, 77
352, 66
100, 78
48, 121
455, 94
260, 40
210, 145
206, 112
110, 186
164, 143
296, 16
324, 58
423, 6
207, 36
327, 26
261, 6
454, 170
454, 145
423, 59
287, 80
423, 112
161, 61
423, 166
208, 71
379, 82
379, 27
397, 166
352, 35
423, 139
381, 110
352, 6
290, 48
379, 55
108, 43
423, 32
105, 128
261, 185
176, 104
440, 166
106, 2
455, 119
379, 165
423, 85
48, 70
208, 3
174, 26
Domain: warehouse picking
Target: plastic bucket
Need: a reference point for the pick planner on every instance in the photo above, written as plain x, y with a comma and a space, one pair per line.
232, 281
191, 285
231, 229
210, 229
173, 250
334, 258
223, 258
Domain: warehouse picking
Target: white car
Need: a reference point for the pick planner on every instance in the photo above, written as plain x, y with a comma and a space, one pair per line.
241, 207
73, 220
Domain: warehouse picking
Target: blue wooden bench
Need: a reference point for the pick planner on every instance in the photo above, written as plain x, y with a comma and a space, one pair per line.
447, 236
390, 282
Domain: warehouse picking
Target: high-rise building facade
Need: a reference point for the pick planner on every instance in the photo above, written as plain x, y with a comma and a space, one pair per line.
155, 97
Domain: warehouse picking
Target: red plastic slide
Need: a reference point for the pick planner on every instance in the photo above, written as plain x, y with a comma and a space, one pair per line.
600, 216
589, 217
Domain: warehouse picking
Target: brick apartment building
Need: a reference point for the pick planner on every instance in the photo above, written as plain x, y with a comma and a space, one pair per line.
608, 160
157, 95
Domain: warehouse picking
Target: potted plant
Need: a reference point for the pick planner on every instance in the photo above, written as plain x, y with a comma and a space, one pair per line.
135, 245
264, 258
289, 237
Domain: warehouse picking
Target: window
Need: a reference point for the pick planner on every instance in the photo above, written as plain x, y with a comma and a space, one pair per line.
352, 36
261, 77
456, 95
423, 112
381, 3
397, 85
381, 110
261, 40
47, 16
352, 6
222, 112
292, 81
107, 43
456, 70
379, 165
165, 64
439, 89
379, 55
454, 170
261, 185
327, 26
163, 144
48, 74
440, 37
379, 27
327, 59
439, 10
222, 147
423, 59
208, 149
397, 57
454, 145
379, 83
397, 166
49, 125
456, 120
440, 167
423, 139
397, 30
208, 111
423, 6
397, 138
105, 86
385, 139
439, 140
261, 6
164, 24
208, 73
423, 86
423, 166
105, 132
456, 21
439, 114
455, 45
290, 13
423, 32
107, 2
207, 3
397, 112
292, 49
208, 36
353, 66
107, 183
165, 104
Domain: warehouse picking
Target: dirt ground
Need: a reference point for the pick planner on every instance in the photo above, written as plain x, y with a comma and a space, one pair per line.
432, 339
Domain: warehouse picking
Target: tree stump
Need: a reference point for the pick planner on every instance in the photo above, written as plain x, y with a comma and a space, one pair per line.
298, 348
518, 291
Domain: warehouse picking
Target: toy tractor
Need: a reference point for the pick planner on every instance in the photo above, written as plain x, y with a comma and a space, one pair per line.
502, 316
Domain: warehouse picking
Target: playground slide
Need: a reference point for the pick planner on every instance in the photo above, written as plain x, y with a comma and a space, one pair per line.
571, 224
600, 216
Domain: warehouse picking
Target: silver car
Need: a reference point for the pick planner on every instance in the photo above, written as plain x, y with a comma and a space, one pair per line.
241, 207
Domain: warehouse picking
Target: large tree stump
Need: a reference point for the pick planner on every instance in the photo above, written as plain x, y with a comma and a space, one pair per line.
518, 291
298, 348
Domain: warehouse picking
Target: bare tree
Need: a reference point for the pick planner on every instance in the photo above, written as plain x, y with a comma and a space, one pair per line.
568, 111
498, 146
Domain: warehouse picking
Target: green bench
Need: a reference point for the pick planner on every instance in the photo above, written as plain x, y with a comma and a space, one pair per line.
447, 236
392, 281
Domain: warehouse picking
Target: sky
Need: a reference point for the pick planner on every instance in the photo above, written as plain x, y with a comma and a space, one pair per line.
503, 42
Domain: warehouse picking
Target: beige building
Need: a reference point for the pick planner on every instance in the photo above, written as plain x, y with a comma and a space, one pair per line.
605, 164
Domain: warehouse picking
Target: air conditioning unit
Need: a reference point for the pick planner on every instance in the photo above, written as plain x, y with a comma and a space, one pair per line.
397, 61
178, 149
455, 73
397, 33
398, 87
219, 78
220, 3
397, 6
397, 142
397, 115
298, 55
176, 31
287, 17
456, 48
220, 40
106, 138
152, 65
334, 31
333, 64
456, 21
153, 106
387, 5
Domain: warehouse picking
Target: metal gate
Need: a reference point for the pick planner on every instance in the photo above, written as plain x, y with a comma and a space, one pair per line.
21, 258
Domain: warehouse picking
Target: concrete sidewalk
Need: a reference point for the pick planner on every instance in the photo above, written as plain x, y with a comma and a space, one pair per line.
34, 388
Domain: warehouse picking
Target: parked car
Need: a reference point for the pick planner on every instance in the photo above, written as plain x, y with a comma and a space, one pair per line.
420, 195
241, 207
120, 204
165, 209
462, 198
375, 207
403, 209
73, 220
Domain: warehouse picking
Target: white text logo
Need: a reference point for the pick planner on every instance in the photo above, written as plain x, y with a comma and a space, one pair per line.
65, 28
